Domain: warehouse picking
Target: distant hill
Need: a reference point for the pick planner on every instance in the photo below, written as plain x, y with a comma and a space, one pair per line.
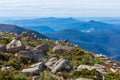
18, 30
54, 23
41, 29
95, 25
103, 41
62, 23
112, 21
109, 20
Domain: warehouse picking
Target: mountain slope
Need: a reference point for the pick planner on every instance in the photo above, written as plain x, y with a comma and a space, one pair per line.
41, 29
50, 61
18, 30
105, 41
96, 25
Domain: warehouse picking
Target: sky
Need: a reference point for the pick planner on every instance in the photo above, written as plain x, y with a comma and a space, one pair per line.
60, 8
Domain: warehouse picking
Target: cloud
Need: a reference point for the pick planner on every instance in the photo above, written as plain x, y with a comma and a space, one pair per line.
60, 7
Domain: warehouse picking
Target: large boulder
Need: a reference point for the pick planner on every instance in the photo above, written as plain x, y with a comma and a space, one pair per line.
15, 46
24, 34
62, 49
36, 78
30, 54
58, 65
2, 48
29, 48
34, 69
30, 36
36, 56
61, 42
51, 62
39, 56
44, 47
61, 64
33, 36
98, 67
7, 68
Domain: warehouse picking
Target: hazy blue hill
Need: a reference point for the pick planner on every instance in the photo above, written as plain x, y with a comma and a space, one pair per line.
83, 39
102, 41
109, 39
62, 23
18, 30
112, 21
109, 20
96, 25
55, 23
72, 34
41, 29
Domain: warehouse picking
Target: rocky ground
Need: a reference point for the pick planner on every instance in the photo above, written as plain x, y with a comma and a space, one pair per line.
26, 57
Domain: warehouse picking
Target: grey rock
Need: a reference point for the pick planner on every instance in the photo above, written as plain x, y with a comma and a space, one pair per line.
24, 34
62, 41
44, 47
15, 46
36, 56
98, 67
28, 35
4, 68
2, 48
62, 49
36, 78
51, 62
30, 54
58, 65
7, 68
39, 56
61, 64
34, 69
29, 48
113, 70
17, 37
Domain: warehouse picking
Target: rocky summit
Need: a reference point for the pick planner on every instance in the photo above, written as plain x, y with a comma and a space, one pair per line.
27, 57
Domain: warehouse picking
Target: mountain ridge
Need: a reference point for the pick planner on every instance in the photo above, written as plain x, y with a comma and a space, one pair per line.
97, 41
63, 23
18, 30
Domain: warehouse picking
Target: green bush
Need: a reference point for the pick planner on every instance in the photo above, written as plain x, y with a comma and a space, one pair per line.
4, 57
13, 62
85, 73
112, 76
45, 75
10, 60
5, 75
77, 57
20, 77
24, 59
98, 61
4, 41
11, 75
